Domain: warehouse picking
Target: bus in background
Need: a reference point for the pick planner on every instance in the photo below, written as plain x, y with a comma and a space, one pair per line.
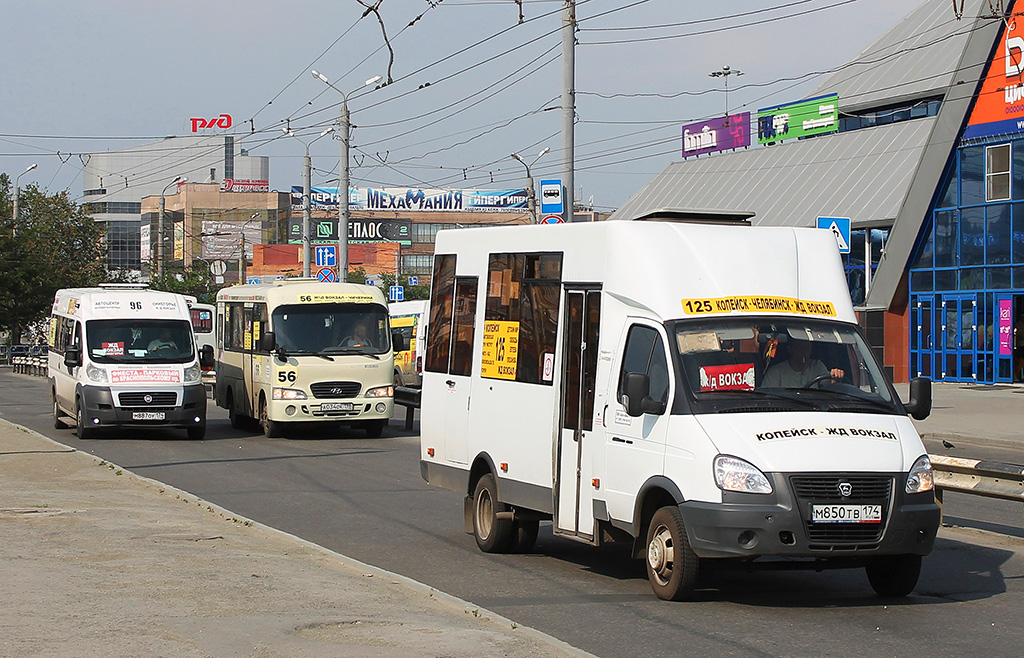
410, 320
300, 351
202, 316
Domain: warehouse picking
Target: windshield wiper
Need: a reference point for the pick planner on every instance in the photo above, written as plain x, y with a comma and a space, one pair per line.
768, 394
874, 401
353, 350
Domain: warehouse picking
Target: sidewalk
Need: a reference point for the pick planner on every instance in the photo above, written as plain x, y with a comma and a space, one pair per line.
974, 417
99, 562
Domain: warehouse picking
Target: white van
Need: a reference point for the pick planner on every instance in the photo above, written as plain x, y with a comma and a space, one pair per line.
410, 320
626, 380
124, 356
290, 352
203, 322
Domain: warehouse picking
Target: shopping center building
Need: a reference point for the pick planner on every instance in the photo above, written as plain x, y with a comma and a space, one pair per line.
919, 143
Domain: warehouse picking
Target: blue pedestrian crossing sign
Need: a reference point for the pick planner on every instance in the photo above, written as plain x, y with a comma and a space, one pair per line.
396, 293
840, 227
326, 255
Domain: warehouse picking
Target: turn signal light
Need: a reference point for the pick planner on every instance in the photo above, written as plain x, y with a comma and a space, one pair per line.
504, 467
596, 482
430, 452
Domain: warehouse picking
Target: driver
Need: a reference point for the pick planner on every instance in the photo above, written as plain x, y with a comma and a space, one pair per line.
800, 369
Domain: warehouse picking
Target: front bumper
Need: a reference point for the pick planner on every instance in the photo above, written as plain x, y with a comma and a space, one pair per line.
362, 409
103, 407
779, 524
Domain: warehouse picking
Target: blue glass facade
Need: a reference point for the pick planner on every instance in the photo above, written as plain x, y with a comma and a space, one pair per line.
966, 281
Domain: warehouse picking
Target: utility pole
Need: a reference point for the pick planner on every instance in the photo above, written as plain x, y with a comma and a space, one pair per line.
568, 102
241, 256
307, 168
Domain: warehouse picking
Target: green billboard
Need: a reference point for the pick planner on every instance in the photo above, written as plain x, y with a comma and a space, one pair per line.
814, 116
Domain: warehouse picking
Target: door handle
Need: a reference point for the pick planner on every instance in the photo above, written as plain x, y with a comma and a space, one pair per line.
450, 382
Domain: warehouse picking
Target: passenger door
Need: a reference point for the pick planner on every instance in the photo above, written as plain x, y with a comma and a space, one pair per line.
573, 492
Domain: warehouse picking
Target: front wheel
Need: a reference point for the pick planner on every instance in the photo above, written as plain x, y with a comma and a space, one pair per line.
197, 432
374, 428
493, 535
672, 565
270, 428
894, 575
58, 423
81, 428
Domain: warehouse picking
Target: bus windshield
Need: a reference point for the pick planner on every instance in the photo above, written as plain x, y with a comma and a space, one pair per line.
786, 364
332, 328
139, 341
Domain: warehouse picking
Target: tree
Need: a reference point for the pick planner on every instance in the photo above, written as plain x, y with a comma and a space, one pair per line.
57, 246
195, 280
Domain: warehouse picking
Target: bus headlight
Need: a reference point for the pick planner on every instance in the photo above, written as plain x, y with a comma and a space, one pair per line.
98, 375
921, 477
734, 474
193, 374
381, 392
289, 394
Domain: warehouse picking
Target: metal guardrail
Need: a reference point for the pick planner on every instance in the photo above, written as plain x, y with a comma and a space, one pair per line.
974, 476
409, 398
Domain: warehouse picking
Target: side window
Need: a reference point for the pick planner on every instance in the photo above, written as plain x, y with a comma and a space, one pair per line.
462, 329
645, 353
259, 326
442, 294
234, 326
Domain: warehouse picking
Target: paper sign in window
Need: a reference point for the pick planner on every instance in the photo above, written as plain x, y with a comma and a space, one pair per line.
739, 377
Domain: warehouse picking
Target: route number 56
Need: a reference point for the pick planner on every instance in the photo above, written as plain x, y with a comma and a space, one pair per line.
286, 376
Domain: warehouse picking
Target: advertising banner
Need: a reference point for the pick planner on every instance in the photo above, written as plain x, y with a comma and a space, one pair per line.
814, 116
417, 200
325, 231
221, 238
718, 134
1005, 327
999, 109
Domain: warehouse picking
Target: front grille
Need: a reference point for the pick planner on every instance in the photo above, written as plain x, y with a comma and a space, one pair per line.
335, 389
157, 399
825, 490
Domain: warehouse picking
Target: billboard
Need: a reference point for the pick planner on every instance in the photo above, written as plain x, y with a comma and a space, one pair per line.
325, 230
417, 200
999, 109
718, 134
814, 116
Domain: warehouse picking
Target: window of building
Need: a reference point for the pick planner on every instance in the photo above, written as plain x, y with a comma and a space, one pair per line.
417, 264
997, 173
972, 176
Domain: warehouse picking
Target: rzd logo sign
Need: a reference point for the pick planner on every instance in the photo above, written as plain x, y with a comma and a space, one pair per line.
223, 121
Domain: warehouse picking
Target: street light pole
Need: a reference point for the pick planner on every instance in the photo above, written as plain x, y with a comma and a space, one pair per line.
17, 193
345, 130
241, 248
724, 74
531, 196
307, 169
160, 227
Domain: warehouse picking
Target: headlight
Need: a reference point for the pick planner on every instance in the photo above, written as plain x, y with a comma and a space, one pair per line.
193, 374
381, 392
734, 474
921, 478
98, 375
289, 394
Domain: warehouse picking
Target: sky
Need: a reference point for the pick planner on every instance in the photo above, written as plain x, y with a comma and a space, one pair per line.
470, 83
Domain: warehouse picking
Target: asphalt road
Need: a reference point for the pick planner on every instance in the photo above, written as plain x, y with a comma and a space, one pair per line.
365, 498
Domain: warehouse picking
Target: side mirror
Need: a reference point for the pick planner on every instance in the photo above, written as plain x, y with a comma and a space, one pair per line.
206, 360
398, 342
637, 394
920, 404
267, 342
73, 357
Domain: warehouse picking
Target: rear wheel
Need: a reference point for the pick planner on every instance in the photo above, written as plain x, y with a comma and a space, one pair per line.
237, 420
81, 428
671, 564
493, 535
894, 575
271, 429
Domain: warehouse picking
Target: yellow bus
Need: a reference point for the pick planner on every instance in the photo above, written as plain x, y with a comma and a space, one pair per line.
300, 351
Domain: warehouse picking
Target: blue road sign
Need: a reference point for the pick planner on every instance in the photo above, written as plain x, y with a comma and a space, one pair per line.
840, 227
551, 197
326, 275
371, 282
326, 255
396, 293
414, 281
253, 280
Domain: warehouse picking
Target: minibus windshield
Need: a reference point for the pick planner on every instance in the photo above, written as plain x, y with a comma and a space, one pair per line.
735, 364
332, 328
139, 341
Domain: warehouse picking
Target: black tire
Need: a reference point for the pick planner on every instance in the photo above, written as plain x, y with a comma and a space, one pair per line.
58, 424
271, 429
197, 432
374, 428
894, 575
493, 535
398, 378
672, 565
237, 420
81, 429
524, 535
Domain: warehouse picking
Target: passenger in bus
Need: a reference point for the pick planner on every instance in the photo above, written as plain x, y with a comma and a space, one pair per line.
800, 369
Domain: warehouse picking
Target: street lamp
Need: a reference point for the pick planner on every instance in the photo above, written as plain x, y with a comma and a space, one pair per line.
724, 74
17, 193
531, 198
307, 168
160, 226
345, 128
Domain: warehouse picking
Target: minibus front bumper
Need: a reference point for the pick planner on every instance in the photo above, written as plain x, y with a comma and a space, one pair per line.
782, 523
104, 407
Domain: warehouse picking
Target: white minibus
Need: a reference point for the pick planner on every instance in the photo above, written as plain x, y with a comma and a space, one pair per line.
300, 351
702, 391
124, 356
